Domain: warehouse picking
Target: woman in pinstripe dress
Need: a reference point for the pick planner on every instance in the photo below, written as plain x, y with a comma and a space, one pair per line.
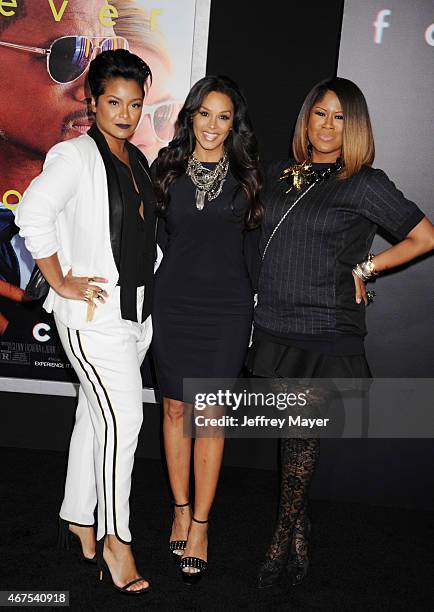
317, 231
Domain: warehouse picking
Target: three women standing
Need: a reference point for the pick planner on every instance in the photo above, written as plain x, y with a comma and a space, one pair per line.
88, 220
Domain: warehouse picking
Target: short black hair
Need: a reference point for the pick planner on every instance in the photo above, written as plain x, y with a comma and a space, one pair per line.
19, 12
114, 64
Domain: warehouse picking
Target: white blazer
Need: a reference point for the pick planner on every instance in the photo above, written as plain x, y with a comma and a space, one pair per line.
65, 210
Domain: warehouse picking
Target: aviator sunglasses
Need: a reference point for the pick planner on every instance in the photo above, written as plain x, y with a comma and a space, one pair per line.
69, 57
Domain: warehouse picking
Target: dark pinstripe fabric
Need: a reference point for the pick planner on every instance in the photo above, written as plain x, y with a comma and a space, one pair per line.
306, 286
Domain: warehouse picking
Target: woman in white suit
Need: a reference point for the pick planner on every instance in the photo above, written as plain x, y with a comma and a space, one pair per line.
88, 220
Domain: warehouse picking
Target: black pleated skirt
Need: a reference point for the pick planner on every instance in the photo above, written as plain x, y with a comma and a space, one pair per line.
269, 358
336, 382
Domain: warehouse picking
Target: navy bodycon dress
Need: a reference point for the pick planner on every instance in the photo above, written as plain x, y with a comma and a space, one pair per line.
203, 297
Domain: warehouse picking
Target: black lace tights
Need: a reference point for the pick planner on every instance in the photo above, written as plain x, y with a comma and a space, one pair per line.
298, 458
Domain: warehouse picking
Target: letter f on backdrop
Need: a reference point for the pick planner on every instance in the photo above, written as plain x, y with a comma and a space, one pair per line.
380, 24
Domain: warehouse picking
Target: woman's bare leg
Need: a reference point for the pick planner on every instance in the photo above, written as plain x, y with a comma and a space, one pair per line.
178, 451
208, 454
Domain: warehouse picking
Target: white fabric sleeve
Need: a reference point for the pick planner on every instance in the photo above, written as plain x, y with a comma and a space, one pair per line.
46, 197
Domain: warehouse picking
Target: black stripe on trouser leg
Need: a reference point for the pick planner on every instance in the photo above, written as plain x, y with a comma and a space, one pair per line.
105, 425
115, 436
80, 524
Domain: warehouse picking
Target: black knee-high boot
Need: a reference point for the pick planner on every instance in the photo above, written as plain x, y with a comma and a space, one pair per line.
288, 548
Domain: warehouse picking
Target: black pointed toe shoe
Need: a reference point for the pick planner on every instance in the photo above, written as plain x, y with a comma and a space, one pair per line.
270, 573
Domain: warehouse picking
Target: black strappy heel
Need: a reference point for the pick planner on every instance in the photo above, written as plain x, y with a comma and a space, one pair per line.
193, 568
102, 566
64, 540
177, 547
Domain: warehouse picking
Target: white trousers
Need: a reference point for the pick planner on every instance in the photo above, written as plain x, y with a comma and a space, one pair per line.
106, 358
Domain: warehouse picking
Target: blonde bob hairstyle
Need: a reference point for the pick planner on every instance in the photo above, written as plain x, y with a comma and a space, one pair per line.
357, 141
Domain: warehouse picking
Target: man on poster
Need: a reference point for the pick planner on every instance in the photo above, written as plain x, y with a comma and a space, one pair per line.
43, 108
34, 39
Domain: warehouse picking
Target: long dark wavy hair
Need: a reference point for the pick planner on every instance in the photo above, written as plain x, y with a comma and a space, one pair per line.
240, 147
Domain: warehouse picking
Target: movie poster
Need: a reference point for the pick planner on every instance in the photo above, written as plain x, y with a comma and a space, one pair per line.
44, 100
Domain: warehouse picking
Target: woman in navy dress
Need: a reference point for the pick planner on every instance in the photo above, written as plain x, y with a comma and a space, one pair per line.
208, 185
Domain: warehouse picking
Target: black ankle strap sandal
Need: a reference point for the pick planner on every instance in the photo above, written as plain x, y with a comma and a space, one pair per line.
198, 521
176, 547
103, 567
192, 568
65, 536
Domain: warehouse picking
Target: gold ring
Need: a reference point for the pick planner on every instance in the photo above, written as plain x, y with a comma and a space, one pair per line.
88, 294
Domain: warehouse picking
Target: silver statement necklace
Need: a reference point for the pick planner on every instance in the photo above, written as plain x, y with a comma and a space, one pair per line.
207, 182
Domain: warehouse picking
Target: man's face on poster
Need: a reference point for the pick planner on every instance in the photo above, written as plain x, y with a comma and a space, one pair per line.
37, 112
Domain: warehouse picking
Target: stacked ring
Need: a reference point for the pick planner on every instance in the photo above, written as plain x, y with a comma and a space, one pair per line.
89, 294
